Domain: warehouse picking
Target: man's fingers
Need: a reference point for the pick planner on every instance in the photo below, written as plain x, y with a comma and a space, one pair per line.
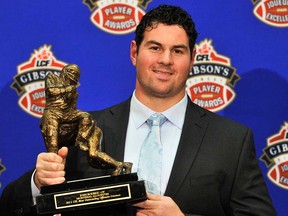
147, 204
153, 196
50, 166
49, 157
63, 152
50, 174
51, 181
43, 177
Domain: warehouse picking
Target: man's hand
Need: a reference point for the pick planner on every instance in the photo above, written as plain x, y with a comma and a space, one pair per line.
50, 168
157, 205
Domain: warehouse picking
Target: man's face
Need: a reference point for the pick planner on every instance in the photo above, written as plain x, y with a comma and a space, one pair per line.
163, 62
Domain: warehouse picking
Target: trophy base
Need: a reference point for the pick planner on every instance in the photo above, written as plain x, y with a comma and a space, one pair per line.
91, 193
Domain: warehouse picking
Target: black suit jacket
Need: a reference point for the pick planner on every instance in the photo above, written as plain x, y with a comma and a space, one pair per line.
215, 171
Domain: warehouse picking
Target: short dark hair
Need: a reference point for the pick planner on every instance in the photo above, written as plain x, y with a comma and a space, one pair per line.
169, 15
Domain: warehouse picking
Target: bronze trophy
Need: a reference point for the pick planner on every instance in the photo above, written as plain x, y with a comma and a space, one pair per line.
61, 125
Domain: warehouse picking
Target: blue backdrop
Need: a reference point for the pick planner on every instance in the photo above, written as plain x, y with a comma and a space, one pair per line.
240, 70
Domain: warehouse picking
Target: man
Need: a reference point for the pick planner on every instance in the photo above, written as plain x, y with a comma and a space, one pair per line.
209, 163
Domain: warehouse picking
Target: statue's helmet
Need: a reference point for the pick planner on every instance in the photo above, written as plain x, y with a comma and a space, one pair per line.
72, 71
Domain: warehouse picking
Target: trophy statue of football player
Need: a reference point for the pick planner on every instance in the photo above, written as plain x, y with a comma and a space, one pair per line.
63, 125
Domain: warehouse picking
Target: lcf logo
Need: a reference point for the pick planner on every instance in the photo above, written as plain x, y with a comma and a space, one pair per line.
272, 12
29, 83
212, 79
276, 157
117, 16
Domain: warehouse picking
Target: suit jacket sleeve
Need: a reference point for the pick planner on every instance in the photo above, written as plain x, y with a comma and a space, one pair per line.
16, 198
249, 192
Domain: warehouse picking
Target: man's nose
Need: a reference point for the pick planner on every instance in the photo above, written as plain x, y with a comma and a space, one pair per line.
166, 57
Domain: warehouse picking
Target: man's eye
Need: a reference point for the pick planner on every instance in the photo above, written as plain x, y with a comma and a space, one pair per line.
154, 48
178, 51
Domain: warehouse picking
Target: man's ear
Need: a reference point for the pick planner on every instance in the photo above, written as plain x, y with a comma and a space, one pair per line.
133, 52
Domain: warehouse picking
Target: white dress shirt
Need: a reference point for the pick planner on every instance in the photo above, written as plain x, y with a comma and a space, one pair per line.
170, 134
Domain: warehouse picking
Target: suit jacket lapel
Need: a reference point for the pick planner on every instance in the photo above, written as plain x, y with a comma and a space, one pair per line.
192, 134
117, 121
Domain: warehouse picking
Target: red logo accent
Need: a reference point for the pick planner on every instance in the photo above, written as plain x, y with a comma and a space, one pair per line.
117, 18
276, 157
271, 12
210, 95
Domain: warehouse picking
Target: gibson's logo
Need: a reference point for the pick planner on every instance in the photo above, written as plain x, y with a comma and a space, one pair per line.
275, 157
211, 81
117, 16
29, 82
272, 12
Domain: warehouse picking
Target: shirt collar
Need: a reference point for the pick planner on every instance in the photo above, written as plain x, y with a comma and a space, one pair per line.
175, 114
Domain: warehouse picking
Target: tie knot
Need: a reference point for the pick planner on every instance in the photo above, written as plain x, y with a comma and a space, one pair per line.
156, 119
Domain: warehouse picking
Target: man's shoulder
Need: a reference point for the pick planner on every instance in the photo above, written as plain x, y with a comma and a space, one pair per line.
217, 119
113, 110
20, 184
16, 196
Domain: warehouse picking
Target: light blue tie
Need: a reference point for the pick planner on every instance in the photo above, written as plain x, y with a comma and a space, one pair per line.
150, 160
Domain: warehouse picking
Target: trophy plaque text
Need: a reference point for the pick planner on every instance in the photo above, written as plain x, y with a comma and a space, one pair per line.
91, 193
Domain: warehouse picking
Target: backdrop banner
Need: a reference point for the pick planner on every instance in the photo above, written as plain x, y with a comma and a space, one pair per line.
240, 70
